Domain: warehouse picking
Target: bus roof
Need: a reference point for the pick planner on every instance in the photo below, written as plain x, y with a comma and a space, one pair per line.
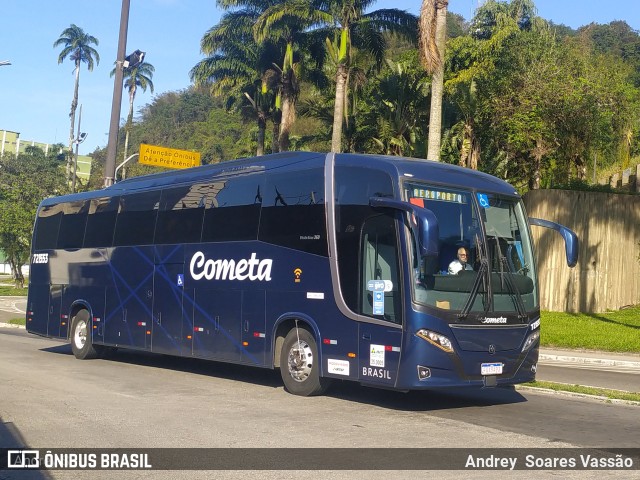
401, 167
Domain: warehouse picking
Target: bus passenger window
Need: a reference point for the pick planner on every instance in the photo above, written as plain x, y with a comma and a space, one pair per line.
232, 209
180, 215
137, 219
73, 224
101, 222
48, 224
293, 211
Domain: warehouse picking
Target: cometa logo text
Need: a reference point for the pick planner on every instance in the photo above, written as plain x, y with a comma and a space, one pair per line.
252, 269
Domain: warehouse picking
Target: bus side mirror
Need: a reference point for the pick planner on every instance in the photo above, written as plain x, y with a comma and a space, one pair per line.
571, 243
425, 223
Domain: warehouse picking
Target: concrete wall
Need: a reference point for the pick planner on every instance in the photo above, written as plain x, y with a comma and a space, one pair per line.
607, 276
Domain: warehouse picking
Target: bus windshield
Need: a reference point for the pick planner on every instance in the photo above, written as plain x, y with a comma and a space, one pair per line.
485, 262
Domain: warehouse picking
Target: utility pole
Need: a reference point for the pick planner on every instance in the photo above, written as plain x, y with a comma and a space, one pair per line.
110, 164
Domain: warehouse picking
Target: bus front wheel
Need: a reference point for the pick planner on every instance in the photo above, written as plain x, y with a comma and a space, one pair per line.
81, 343
299, 364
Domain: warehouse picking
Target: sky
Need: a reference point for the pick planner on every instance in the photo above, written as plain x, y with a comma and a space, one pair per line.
36, 91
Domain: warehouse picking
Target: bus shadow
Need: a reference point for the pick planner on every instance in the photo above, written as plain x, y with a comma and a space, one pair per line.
426, 400
196, 366
11, 438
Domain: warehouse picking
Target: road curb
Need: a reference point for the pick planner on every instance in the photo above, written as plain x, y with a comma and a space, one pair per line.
600, 398
11, 325
606, 362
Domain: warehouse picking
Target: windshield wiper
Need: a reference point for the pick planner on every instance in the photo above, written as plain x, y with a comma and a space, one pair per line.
481, 277
510, 282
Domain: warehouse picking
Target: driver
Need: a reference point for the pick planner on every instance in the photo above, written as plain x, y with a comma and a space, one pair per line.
461, 262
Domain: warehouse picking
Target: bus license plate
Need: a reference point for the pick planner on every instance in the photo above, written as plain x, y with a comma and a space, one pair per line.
491, 368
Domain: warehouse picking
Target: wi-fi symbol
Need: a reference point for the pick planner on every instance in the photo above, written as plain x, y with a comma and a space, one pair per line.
297, 272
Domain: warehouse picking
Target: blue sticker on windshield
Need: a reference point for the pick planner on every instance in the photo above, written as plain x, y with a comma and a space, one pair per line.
483, 200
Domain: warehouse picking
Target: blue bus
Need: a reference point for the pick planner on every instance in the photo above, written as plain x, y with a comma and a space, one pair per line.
324, 266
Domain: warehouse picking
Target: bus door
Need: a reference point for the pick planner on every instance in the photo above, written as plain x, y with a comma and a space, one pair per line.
38, 309
129, 299
168, 297
380, 300
216, 324
58, 323
254, 328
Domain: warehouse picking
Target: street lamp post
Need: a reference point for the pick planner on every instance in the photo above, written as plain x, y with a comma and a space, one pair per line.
79, 139
122, 165
110, 164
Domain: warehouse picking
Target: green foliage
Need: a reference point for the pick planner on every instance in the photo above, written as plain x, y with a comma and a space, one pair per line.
77, 46
25, 181
531, 102
583, 186
189, 120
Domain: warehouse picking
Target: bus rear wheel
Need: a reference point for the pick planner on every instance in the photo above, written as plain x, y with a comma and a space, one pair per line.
299, 364
81, 343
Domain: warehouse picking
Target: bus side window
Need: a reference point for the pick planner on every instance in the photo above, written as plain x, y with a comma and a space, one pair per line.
137, 219
293, 211
180, 215
379, 257
72, 225
232, 208
47, 227
101, 222
354, 187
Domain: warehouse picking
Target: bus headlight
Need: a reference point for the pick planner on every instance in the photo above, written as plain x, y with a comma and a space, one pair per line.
436, 339
531, 340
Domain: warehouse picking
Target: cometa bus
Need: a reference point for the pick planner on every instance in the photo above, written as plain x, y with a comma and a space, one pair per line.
326, 266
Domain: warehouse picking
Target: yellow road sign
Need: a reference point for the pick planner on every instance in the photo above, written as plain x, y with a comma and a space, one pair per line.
168, 157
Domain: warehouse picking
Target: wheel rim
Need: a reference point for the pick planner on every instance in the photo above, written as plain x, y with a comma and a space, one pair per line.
300, 361
80, 334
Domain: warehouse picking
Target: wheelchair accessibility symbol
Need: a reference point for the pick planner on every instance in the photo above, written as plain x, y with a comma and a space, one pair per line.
180, 280
483, 200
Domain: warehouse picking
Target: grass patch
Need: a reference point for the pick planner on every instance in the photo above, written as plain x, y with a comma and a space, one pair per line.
18, 321
617, 331
7, 288
600, 392
11, 291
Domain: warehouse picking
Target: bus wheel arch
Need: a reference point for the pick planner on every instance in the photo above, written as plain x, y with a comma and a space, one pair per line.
75, 309
299, 359
81, 338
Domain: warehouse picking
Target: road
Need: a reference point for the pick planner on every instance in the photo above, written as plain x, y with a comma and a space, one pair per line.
12, 307
49, 399
615, 377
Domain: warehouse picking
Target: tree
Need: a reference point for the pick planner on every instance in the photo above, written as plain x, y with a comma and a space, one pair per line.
431, 40
238, 67
399, 93
24, 181
286, 22
134, 77
343, 26
77, 46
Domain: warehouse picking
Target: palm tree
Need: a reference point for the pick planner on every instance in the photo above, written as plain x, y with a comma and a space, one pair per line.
134, 77
77, 46
344, 26
432, 39
286, 22
239, 68
399, 94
